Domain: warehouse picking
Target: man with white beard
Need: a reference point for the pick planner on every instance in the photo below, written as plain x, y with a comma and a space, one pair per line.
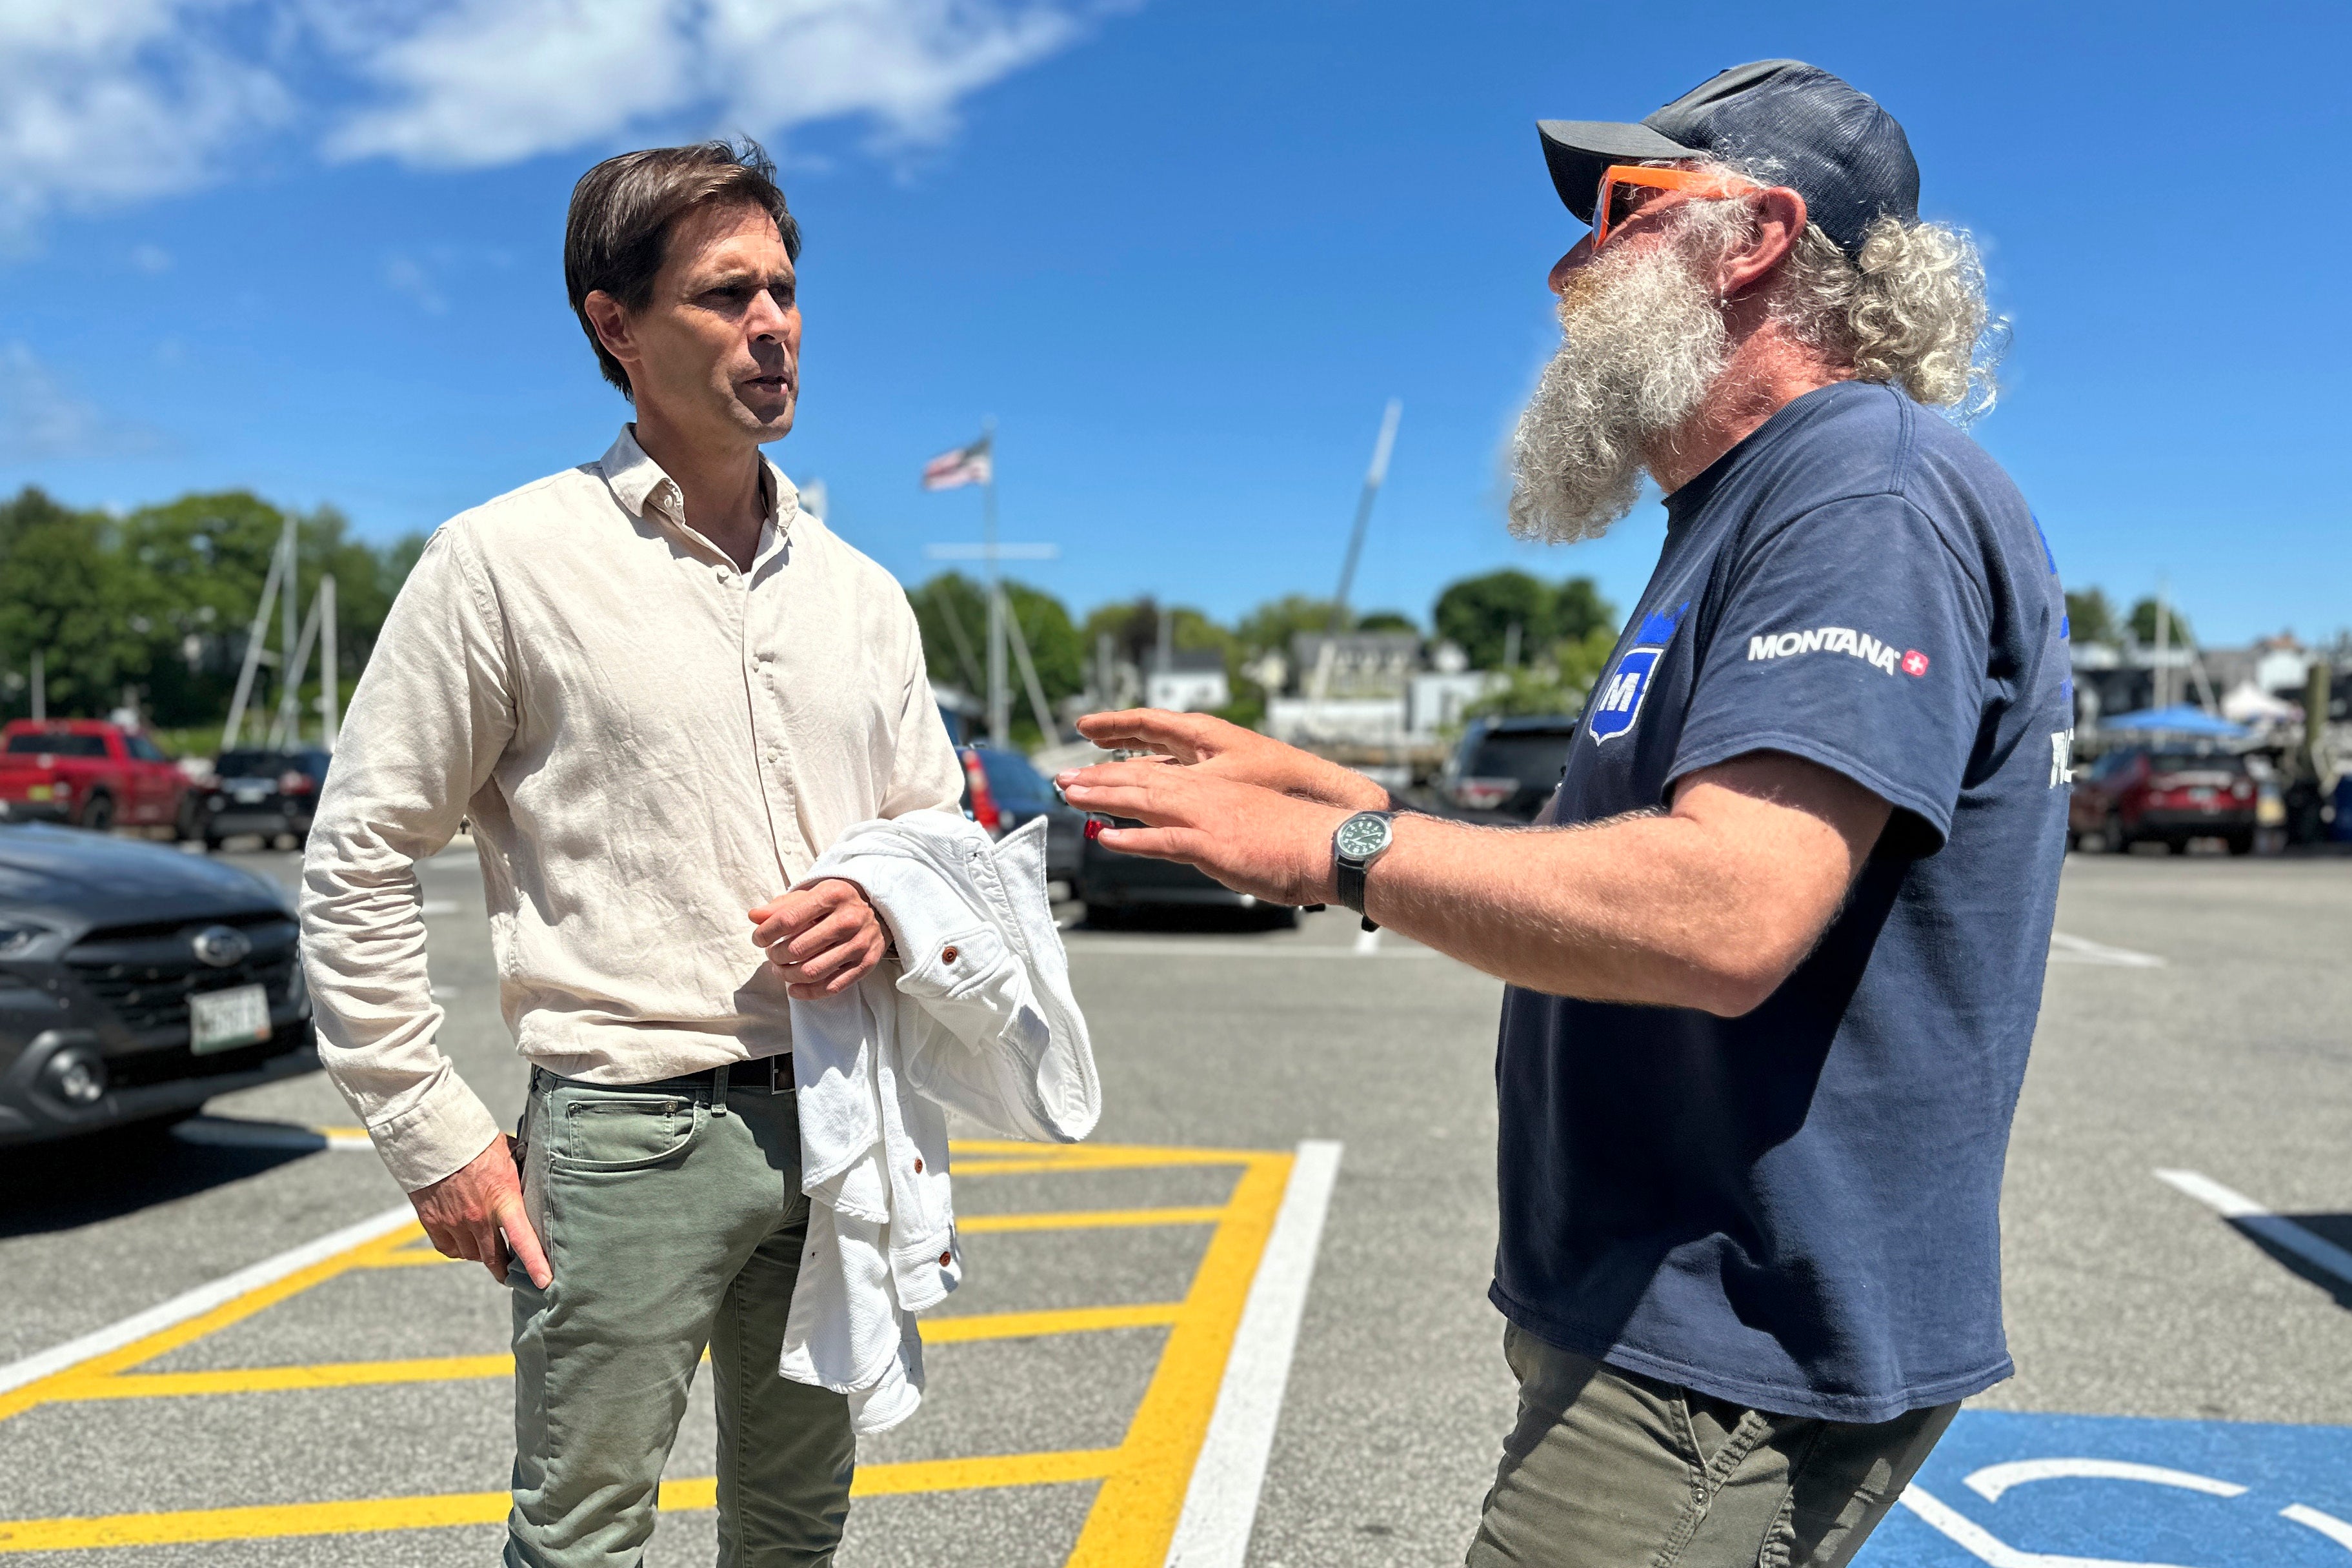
1776, 947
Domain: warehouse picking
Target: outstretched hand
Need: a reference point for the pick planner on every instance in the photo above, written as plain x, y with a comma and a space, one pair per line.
1253, 839
1225, 751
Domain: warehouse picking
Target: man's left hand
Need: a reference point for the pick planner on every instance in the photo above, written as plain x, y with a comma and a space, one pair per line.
1273, 846
824, 937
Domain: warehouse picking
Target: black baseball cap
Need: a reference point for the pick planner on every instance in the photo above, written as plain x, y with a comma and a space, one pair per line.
1827, 141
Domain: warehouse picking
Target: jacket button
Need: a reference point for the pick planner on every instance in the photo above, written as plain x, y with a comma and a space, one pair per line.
918, 1165
946, 1258
947, 955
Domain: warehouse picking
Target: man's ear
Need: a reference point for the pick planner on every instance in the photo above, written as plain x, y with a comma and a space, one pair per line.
610, 321
1780, 222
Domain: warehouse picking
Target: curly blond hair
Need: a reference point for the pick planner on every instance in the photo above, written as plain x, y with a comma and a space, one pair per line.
1910, 309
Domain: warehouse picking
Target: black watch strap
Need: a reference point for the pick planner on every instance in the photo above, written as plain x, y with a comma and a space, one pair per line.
1351, 879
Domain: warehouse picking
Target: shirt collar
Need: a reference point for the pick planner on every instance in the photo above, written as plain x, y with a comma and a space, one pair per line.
639, 484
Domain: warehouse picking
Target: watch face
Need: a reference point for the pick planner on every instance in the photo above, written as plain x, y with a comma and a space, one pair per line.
1363, 835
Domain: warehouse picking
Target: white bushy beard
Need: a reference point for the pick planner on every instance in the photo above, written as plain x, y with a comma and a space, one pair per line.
1645, 340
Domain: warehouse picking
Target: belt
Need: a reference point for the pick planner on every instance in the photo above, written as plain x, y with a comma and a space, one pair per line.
762, 1075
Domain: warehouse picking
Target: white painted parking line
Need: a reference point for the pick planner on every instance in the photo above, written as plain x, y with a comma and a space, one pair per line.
1992, 1480
203, 1298
2274, 1228
1165, 946
2064, 949
1221, 1502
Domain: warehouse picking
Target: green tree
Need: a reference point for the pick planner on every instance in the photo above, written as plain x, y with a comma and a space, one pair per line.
66, 593
2090, 617
1477, 614
2144, 621
1578, 610
1273, 623
953, 611
1386, 621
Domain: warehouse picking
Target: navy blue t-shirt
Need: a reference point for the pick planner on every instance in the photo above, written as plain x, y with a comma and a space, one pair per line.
1798, 1209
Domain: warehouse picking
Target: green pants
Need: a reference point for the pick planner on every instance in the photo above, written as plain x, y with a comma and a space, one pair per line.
672, 1219
1610, 1469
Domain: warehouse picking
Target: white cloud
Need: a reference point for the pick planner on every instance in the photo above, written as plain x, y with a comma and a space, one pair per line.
40, 418
103, 101
152, 260
107, 101
404, 276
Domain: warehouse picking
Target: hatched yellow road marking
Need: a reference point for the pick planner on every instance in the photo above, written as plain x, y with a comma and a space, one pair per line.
348, 1518
1144, 1479
1088, 1219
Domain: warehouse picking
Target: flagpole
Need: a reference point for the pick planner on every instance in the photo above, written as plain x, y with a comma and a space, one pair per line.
999, 716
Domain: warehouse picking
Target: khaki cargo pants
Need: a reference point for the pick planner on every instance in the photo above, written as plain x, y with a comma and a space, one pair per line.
672, 1219
1611, 1470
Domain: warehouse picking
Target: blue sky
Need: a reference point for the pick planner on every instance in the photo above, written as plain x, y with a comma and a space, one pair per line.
1182, 253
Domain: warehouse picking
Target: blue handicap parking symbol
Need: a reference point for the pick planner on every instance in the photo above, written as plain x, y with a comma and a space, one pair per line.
2017, 1491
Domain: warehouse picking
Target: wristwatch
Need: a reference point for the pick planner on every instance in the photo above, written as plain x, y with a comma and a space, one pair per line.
1355, 845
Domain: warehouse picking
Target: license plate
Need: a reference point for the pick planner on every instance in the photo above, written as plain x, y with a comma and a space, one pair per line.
38, 792
250, 796
224, 1020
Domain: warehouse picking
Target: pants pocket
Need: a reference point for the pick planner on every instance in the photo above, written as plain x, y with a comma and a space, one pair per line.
609, 1132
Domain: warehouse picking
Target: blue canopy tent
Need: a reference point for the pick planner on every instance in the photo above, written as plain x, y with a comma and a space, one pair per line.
2181, 718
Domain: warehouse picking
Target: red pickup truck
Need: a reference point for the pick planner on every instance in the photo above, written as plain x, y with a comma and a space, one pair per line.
90, 772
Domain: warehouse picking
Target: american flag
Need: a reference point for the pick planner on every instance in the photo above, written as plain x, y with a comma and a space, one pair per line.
963, 466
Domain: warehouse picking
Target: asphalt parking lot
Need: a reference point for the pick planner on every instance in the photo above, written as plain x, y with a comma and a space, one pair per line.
1107, 1381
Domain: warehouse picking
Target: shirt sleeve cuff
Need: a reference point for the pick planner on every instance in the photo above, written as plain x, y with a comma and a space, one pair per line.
435, 1137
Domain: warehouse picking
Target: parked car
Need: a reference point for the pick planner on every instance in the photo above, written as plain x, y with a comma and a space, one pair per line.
1003, 790
136, 982
2170, 795
269, 793
90, 773
1115, 886
1503, 769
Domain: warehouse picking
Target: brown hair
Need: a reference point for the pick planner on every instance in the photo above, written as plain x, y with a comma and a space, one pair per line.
622, 211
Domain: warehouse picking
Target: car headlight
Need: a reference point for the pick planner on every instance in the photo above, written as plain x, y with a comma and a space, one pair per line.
19, 936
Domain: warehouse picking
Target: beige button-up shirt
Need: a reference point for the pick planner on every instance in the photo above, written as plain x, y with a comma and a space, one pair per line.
647, 740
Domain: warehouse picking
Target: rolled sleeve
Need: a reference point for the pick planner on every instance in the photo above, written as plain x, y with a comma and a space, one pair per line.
426, 726
1853, 638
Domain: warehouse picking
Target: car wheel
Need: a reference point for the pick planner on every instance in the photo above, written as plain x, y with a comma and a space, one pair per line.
2176, 847
212, 841
2241, 843
1278, 917
2113, 835
2073, 841
189, 822
97, 811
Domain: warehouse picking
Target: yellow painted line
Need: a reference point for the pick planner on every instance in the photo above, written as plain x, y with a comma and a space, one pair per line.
409, 1257
1134, 1515
1088, 1219
962, 1329
1066, 1320
277, 1378
18, 1401
1100, 1160
282, 1519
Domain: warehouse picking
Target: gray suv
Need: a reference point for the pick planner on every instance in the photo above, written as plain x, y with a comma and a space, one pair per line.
136, 982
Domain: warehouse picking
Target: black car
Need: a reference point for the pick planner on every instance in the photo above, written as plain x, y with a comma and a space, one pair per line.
1003, 790
1115, 886
269, 793
137, 982
1503, 769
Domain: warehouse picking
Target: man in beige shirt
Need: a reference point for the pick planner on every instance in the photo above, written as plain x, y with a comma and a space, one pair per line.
658, 690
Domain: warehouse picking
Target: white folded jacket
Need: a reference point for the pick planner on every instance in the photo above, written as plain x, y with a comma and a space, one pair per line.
975, 1017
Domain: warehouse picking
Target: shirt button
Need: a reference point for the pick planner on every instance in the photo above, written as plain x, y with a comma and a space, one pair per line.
946, 1258
918, 1165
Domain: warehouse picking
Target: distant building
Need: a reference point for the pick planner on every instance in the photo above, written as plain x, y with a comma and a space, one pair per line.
1353, 665
1191, 682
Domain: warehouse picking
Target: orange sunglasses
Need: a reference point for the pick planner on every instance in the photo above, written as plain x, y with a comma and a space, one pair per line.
1626, 187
